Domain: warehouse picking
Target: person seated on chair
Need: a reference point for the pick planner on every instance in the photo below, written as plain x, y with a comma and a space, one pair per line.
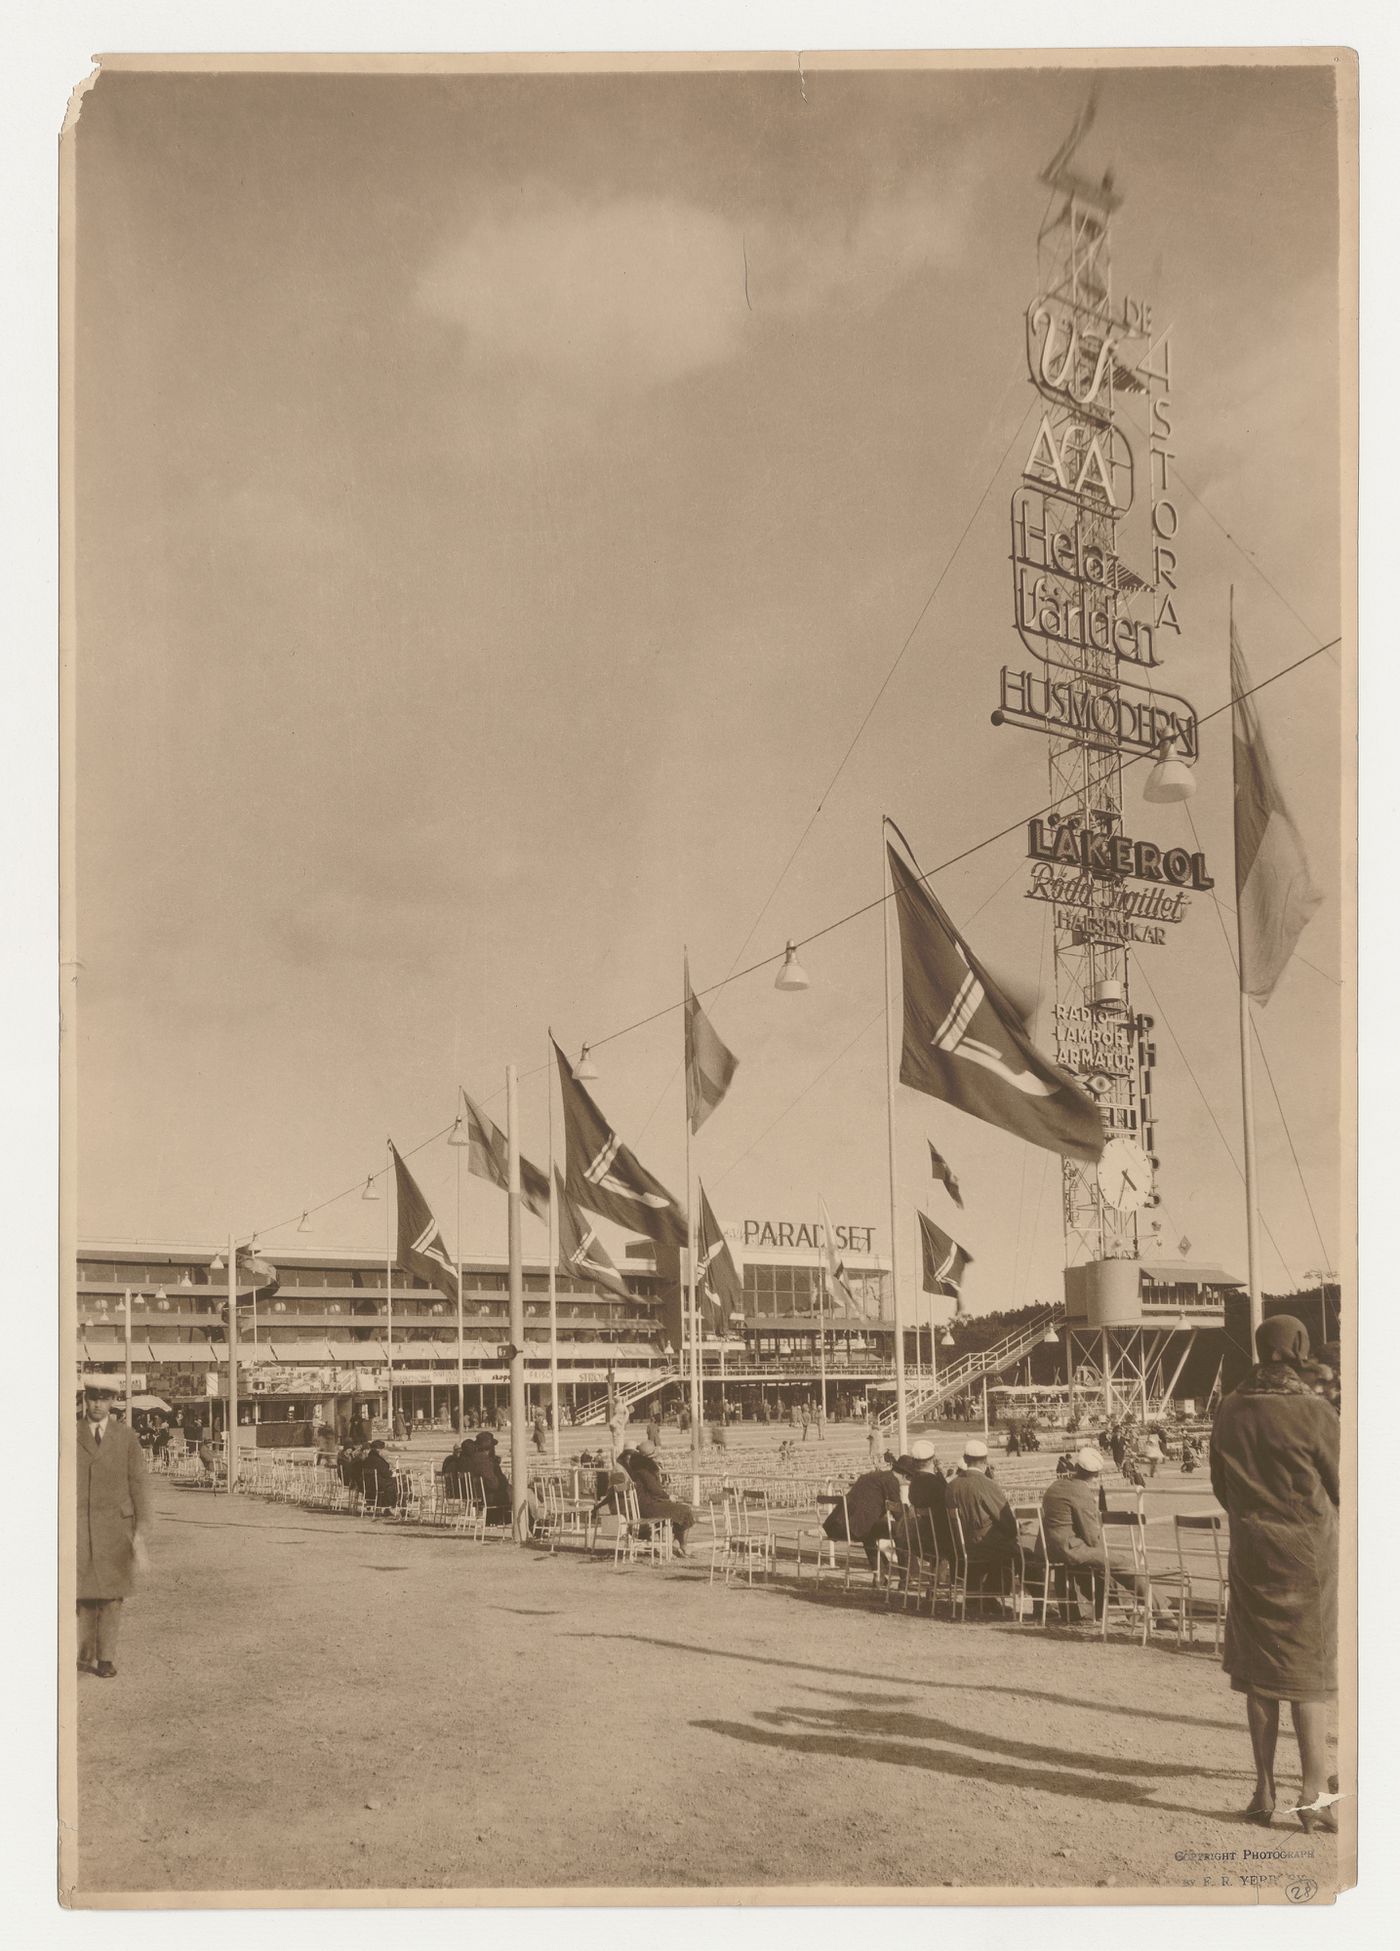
451, 1468
479, 1460
643, 1468
989, 1527
610, 1486
871, 1502
1071, 1513
928, 1502
377, 1479
480, 1463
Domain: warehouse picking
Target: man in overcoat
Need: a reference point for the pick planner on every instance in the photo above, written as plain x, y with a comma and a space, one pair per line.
868, 1506
989, 1528
114, 1517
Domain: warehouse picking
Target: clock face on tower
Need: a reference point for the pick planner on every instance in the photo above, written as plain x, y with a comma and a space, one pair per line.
1124, 1175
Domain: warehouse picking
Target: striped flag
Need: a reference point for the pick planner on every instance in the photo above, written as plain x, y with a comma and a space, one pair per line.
709, 1067
965, 1042
420, 1245
603, 1177
944, 1171
717, 1284
488, 1158
1275, 897
582, 1255
838, 1285
945, 1262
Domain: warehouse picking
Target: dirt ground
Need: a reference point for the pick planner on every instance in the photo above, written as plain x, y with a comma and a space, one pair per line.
308, 1701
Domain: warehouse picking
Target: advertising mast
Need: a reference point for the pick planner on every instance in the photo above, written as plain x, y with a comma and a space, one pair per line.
1094, 569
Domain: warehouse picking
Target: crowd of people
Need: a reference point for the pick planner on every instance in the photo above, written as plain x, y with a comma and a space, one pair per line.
908, 1507
1274, 1468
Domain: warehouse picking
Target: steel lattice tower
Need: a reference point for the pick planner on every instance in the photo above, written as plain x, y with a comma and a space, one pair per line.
1091, 956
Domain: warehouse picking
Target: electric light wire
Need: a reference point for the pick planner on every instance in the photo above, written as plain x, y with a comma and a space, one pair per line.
1233, 540
884, 685
1264, 1055
1160, 1010
826, 1069
828, 928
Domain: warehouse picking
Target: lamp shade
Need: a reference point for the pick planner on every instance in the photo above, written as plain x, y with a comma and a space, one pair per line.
371, 1190
792, 975
304, 1223
458, 1133
585, 1070
1170, 779
1050, 1334
945, 1340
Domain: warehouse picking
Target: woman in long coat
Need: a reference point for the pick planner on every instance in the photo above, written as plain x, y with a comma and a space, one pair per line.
1274, 1466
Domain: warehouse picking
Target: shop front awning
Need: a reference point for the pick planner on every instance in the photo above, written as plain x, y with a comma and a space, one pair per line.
311, 1349
197, 1354
358, 1354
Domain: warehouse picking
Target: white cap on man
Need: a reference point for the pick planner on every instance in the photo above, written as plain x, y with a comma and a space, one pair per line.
922, 1451
974, 1450
1089, 1461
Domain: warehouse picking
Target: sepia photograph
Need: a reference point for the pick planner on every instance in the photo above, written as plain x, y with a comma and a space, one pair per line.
709, 1072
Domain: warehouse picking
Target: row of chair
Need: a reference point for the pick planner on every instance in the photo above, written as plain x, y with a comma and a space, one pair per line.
1029, 1583
742, 1543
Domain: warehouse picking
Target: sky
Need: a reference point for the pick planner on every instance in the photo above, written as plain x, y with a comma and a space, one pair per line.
500, 502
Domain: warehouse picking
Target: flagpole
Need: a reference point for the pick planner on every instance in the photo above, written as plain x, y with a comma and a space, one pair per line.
553, 1226
821, 1314
932, 1354
519, 1465
901, 1407
126, 1337
696, 1399
389, 1177
231, 1436
1251, 1181
461, 1310
1251, 1184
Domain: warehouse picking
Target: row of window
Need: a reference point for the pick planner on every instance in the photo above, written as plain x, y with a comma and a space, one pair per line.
600, 1311
122, 1274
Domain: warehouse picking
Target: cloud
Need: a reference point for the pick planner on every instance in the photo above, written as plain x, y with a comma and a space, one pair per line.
631, 293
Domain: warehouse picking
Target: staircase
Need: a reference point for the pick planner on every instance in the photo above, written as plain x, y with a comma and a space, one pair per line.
597, 1410
959, 1375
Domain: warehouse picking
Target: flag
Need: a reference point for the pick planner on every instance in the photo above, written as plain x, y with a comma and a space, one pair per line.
718, 1287
602, 1176
1275, 897
488, 1157
259, 1276
963, 1042
945, 1262
582, 1255
837, 1284
420, 1246
709, 1067
944, 1171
